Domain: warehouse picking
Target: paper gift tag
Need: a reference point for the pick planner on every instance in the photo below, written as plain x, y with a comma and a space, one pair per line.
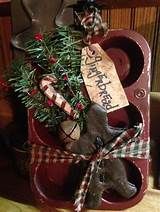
101, 79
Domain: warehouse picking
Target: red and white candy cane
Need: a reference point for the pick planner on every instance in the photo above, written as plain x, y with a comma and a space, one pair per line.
47, 87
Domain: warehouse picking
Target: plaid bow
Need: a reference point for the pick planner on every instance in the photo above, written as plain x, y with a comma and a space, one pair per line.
126, 144
93, 24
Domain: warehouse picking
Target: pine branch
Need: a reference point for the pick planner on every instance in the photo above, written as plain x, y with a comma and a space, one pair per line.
65, 46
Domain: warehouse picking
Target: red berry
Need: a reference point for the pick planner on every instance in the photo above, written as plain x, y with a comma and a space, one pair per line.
38, 37
80, 106
33, 92
4, 86
50, 103
52, 60
65, 77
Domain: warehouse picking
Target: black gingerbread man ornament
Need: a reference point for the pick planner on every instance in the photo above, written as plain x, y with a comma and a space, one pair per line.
109, 173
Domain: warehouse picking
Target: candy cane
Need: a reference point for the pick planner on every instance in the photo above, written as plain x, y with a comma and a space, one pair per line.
46, 86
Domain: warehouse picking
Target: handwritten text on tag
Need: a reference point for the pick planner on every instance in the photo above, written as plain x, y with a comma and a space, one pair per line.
101, 79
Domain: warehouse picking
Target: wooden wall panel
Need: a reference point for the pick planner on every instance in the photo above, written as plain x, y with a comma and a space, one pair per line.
127, 3
120, 18
106, 16
6, 112
117, 18
144, 23
156, 56
5, 37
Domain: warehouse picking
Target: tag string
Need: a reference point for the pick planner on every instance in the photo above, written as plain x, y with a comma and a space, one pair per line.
93, 24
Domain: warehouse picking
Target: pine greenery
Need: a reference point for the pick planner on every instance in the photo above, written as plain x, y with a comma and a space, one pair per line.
64, 45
